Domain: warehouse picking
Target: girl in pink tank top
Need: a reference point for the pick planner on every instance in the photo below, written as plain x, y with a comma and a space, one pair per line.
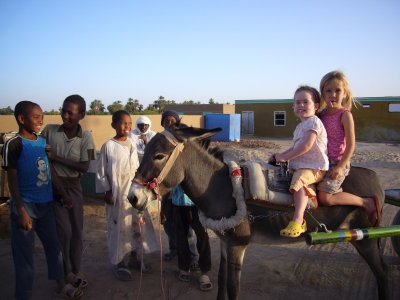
336, 103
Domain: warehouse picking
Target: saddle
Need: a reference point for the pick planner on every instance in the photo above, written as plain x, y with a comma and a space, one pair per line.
268, 185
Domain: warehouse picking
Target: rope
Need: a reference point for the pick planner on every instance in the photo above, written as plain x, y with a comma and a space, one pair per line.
223, 224
141, 255
161, 247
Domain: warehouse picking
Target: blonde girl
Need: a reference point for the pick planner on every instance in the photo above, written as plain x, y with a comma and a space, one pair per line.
337, 101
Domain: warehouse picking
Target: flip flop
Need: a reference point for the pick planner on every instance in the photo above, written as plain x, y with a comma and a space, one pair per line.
205, 283
69, 292
77, 280
123, 274
375, 216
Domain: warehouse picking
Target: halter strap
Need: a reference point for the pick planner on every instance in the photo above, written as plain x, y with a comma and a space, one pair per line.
154, 183
174, 155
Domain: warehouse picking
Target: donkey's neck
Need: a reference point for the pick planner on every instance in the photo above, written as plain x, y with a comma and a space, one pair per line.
207, 183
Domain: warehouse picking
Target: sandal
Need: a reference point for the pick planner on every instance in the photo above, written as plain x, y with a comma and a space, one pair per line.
77, 280
294, 229
184, 276
69, 292
122, 274
205, 283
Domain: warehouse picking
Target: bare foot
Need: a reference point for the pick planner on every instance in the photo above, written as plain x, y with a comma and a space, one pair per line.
372, 207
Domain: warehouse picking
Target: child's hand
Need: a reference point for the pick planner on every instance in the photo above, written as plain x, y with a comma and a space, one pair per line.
279, 157
67, 202
108, 197
272, 159
25, 220
162, 217
336, 173
48, 150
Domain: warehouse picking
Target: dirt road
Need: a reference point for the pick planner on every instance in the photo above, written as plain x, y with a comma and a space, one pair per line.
328, 272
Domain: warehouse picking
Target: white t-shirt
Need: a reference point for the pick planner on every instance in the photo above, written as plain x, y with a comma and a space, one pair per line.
317, 157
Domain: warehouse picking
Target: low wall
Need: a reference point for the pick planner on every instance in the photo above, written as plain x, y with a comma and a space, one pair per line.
100, 126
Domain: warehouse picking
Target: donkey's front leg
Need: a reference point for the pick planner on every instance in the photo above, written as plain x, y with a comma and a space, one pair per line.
235, 255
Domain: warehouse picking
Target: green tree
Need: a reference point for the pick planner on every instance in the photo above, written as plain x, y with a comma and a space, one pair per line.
96, 108
6, 111
212, 101
52, 112
115, 106
190, 102
159, 104
133, 106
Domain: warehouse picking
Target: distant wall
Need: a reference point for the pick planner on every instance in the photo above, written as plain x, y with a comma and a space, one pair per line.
100, 126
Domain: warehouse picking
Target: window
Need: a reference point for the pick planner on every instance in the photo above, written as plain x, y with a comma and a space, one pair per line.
394, 107
279, 118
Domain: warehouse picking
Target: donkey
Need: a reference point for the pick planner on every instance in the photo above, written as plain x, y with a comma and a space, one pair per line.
176, 157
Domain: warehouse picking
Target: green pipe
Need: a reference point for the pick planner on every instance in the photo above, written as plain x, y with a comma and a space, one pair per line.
314, 238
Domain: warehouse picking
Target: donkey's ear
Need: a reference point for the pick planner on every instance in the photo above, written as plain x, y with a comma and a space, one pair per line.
195, 134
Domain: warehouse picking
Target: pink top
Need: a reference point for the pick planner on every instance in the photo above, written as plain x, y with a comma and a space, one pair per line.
336, 134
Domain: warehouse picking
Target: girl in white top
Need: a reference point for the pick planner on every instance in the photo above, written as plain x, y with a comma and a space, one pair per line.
307, 157
142, 134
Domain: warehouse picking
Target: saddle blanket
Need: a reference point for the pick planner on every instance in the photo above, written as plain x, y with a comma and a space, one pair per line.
268, 184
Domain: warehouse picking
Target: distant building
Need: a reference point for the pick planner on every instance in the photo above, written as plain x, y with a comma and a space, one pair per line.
201, 109
376, 118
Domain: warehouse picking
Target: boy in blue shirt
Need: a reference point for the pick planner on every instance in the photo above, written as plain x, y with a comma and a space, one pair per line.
31, 190
185, 215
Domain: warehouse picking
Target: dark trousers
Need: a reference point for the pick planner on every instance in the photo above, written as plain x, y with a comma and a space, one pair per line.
169, 223
185, 217
70, 230
23, 247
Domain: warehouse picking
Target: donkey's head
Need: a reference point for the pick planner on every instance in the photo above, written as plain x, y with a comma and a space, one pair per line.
162, 168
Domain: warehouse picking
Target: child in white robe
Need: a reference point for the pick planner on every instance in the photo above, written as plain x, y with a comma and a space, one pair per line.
116, 167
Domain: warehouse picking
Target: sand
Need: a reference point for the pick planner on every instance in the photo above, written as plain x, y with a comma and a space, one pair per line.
333, 271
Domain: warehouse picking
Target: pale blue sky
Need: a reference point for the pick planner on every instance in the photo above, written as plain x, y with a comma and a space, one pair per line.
193, 50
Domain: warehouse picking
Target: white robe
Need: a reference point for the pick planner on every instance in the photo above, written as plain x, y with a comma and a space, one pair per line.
135, 134
116, 167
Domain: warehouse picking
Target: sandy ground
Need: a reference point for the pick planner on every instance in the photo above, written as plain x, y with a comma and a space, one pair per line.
333, 271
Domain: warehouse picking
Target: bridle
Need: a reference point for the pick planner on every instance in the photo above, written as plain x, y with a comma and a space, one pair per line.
155, 182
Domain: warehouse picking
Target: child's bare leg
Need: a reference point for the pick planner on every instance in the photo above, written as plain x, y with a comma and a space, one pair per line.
300, 201
343, 198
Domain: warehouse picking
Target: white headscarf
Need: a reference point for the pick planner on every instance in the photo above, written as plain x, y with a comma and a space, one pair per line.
143, 120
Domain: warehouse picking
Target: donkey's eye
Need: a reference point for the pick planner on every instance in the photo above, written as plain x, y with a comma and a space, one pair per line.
159, 156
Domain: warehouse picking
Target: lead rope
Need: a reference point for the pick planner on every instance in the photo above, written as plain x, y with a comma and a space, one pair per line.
141, 222
320, 225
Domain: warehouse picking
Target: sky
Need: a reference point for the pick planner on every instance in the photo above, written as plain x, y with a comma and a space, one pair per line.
193, 50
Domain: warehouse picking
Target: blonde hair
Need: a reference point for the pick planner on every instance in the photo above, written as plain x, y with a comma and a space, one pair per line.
349, 99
